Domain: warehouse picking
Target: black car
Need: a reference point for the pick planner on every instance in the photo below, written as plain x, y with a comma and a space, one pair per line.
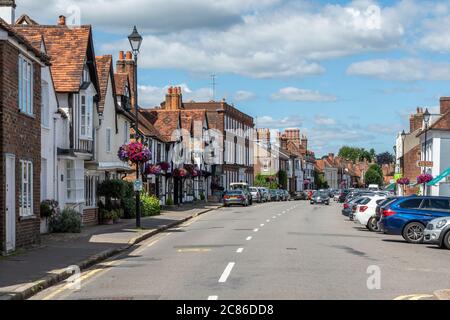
300, 195
343, 195
321, 197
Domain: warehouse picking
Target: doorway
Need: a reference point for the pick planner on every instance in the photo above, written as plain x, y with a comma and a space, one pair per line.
10, 203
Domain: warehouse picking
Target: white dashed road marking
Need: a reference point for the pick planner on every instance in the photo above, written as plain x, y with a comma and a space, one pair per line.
261, 225
213, 298
248, 238
226, 272
240, 250
256, 230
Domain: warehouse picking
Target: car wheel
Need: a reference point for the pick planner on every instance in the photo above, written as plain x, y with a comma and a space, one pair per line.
413, 232
372, 225
446, 240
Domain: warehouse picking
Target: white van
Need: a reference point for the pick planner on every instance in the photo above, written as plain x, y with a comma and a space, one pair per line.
374, 187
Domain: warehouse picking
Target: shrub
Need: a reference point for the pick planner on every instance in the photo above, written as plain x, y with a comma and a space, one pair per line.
69, 221
49, 208
202, 196
150, 205
169, 201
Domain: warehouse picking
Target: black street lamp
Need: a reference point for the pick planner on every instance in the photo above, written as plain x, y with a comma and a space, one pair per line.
426, 119
135, 41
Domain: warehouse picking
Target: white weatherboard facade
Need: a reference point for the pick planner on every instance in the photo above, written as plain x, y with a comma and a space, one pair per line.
49, 122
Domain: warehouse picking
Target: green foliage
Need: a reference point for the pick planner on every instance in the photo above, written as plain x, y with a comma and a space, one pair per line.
202, 196
69, 221
266, 181
377, 168
385, 158
48, 208
357, 154
283, 179
320, 181
113, 189
113, 214
169, 201
150, 205
373, 176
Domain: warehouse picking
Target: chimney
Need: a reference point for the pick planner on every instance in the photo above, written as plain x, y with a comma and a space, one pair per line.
331, 157
445, 105
125, 64
8, 11
174, 98
416, 120
62, 20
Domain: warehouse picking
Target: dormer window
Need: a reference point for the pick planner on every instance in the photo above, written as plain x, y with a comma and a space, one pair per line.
86, 77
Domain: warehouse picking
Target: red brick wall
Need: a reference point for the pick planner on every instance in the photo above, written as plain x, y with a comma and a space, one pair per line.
21, 136
90, 217
411, 170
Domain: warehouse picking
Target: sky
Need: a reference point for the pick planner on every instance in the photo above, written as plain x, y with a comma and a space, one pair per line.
345, 72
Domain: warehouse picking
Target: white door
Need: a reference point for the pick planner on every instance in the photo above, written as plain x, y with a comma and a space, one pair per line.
10, 203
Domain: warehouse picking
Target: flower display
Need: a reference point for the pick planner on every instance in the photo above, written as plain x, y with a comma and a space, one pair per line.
134, 152
164, 166
195, 173
180, 173
153, 169
403, 181
424, 178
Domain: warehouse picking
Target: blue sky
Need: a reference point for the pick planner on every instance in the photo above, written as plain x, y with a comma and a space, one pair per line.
345, 72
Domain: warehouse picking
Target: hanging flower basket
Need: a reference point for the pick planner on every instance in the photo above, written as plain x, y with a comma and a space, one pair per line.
135, 152
306, 182
403, 181
153, 169
195, 173
180, 173
164, 166
424, 178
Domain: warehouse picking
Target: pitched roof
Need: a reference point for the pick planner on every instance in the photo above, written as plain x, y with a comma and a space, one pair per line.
68, 48
25, 19
104, 65
164, 121
31, 43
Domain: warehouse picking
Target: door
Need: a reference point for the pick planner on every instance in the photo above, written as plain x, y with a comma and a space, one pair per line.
10, 203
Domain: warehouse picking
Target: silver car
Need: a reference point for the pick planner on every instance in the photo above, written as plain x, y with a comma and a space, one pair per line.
438, 232
264, 194
256, 195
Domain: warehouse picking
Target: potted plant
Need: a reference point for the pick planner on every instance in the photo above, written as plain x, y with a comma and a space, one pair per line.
108, 217
118, 214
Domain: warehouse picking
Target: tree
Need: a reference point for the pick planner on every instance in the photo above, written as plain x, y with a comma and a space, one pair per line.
374, 175
283, 179
357, 154
385, 158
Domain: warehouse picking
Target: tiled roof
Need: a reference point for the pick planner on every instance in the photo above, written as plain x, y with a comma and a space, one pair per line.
30, 42
164, 121
121, 80
68, 48
104, 65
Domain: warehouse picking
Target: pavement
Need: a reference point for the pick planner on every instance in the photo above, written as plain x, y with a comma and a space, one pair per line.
287, 250
27, 272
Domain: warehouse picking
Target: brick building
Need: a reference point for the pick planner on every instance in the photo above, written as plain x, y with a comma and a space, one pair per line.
20, 137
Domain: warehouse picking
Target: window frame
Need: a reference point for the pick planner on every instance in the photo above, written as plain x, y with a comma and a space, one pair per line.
25, 85
45, 105
108, 141
86, 121
26, 188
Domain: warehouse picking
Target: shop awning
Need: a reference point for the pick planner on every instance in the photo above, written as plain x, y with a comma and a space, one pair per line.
439, 178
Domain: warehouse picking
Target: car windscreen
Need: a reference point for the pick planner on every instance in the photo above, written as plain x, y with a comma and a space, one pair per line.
322, 194
234, 193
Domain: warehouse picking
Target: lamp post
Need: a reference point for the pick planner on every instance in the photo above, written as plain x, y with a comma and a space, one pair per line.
403, 158
426, 119
135, 41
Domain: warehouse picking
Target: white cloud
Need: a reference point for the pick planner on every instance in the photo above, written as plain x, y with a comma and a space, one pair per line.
272, 123
151, 96
243, 95
324, 120
302, 95
408, 69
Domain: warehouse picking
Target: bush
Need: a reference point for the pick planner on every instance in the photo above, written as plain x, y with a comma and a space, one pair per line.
169, 201
202, 196
150, 205
49, 208
69, 221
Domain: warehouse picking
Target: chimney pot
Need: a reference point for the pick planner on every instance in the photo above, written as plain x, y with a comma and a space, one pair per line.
445, 105
62, 20
129, 55
121, 55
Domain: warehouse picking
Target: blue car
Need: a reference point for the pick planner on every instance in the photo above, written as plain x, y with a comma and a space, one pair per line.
408, 216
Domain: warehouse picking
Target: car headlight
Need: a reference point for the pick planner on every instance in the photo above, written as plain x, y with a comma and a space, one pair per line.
441, 224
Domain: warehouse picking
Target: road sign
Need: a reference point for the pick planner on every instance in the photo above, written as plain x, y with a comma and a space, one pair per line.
425, 164
137, 185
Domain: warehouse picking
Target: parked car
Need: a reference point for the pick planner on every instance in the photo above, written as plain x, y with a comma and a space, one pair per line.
348, 206
256, 195
366, 210
300, 195
378, 211
438, 232
244, 187
321, 197
282, 195
274, 196
287, 195
309, 194
409, 216
343, 195
235, 197
264, 194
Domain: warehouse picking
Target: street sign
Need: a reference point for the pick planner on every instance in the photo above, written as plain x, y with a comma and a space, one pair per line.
137, 185
425, 164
